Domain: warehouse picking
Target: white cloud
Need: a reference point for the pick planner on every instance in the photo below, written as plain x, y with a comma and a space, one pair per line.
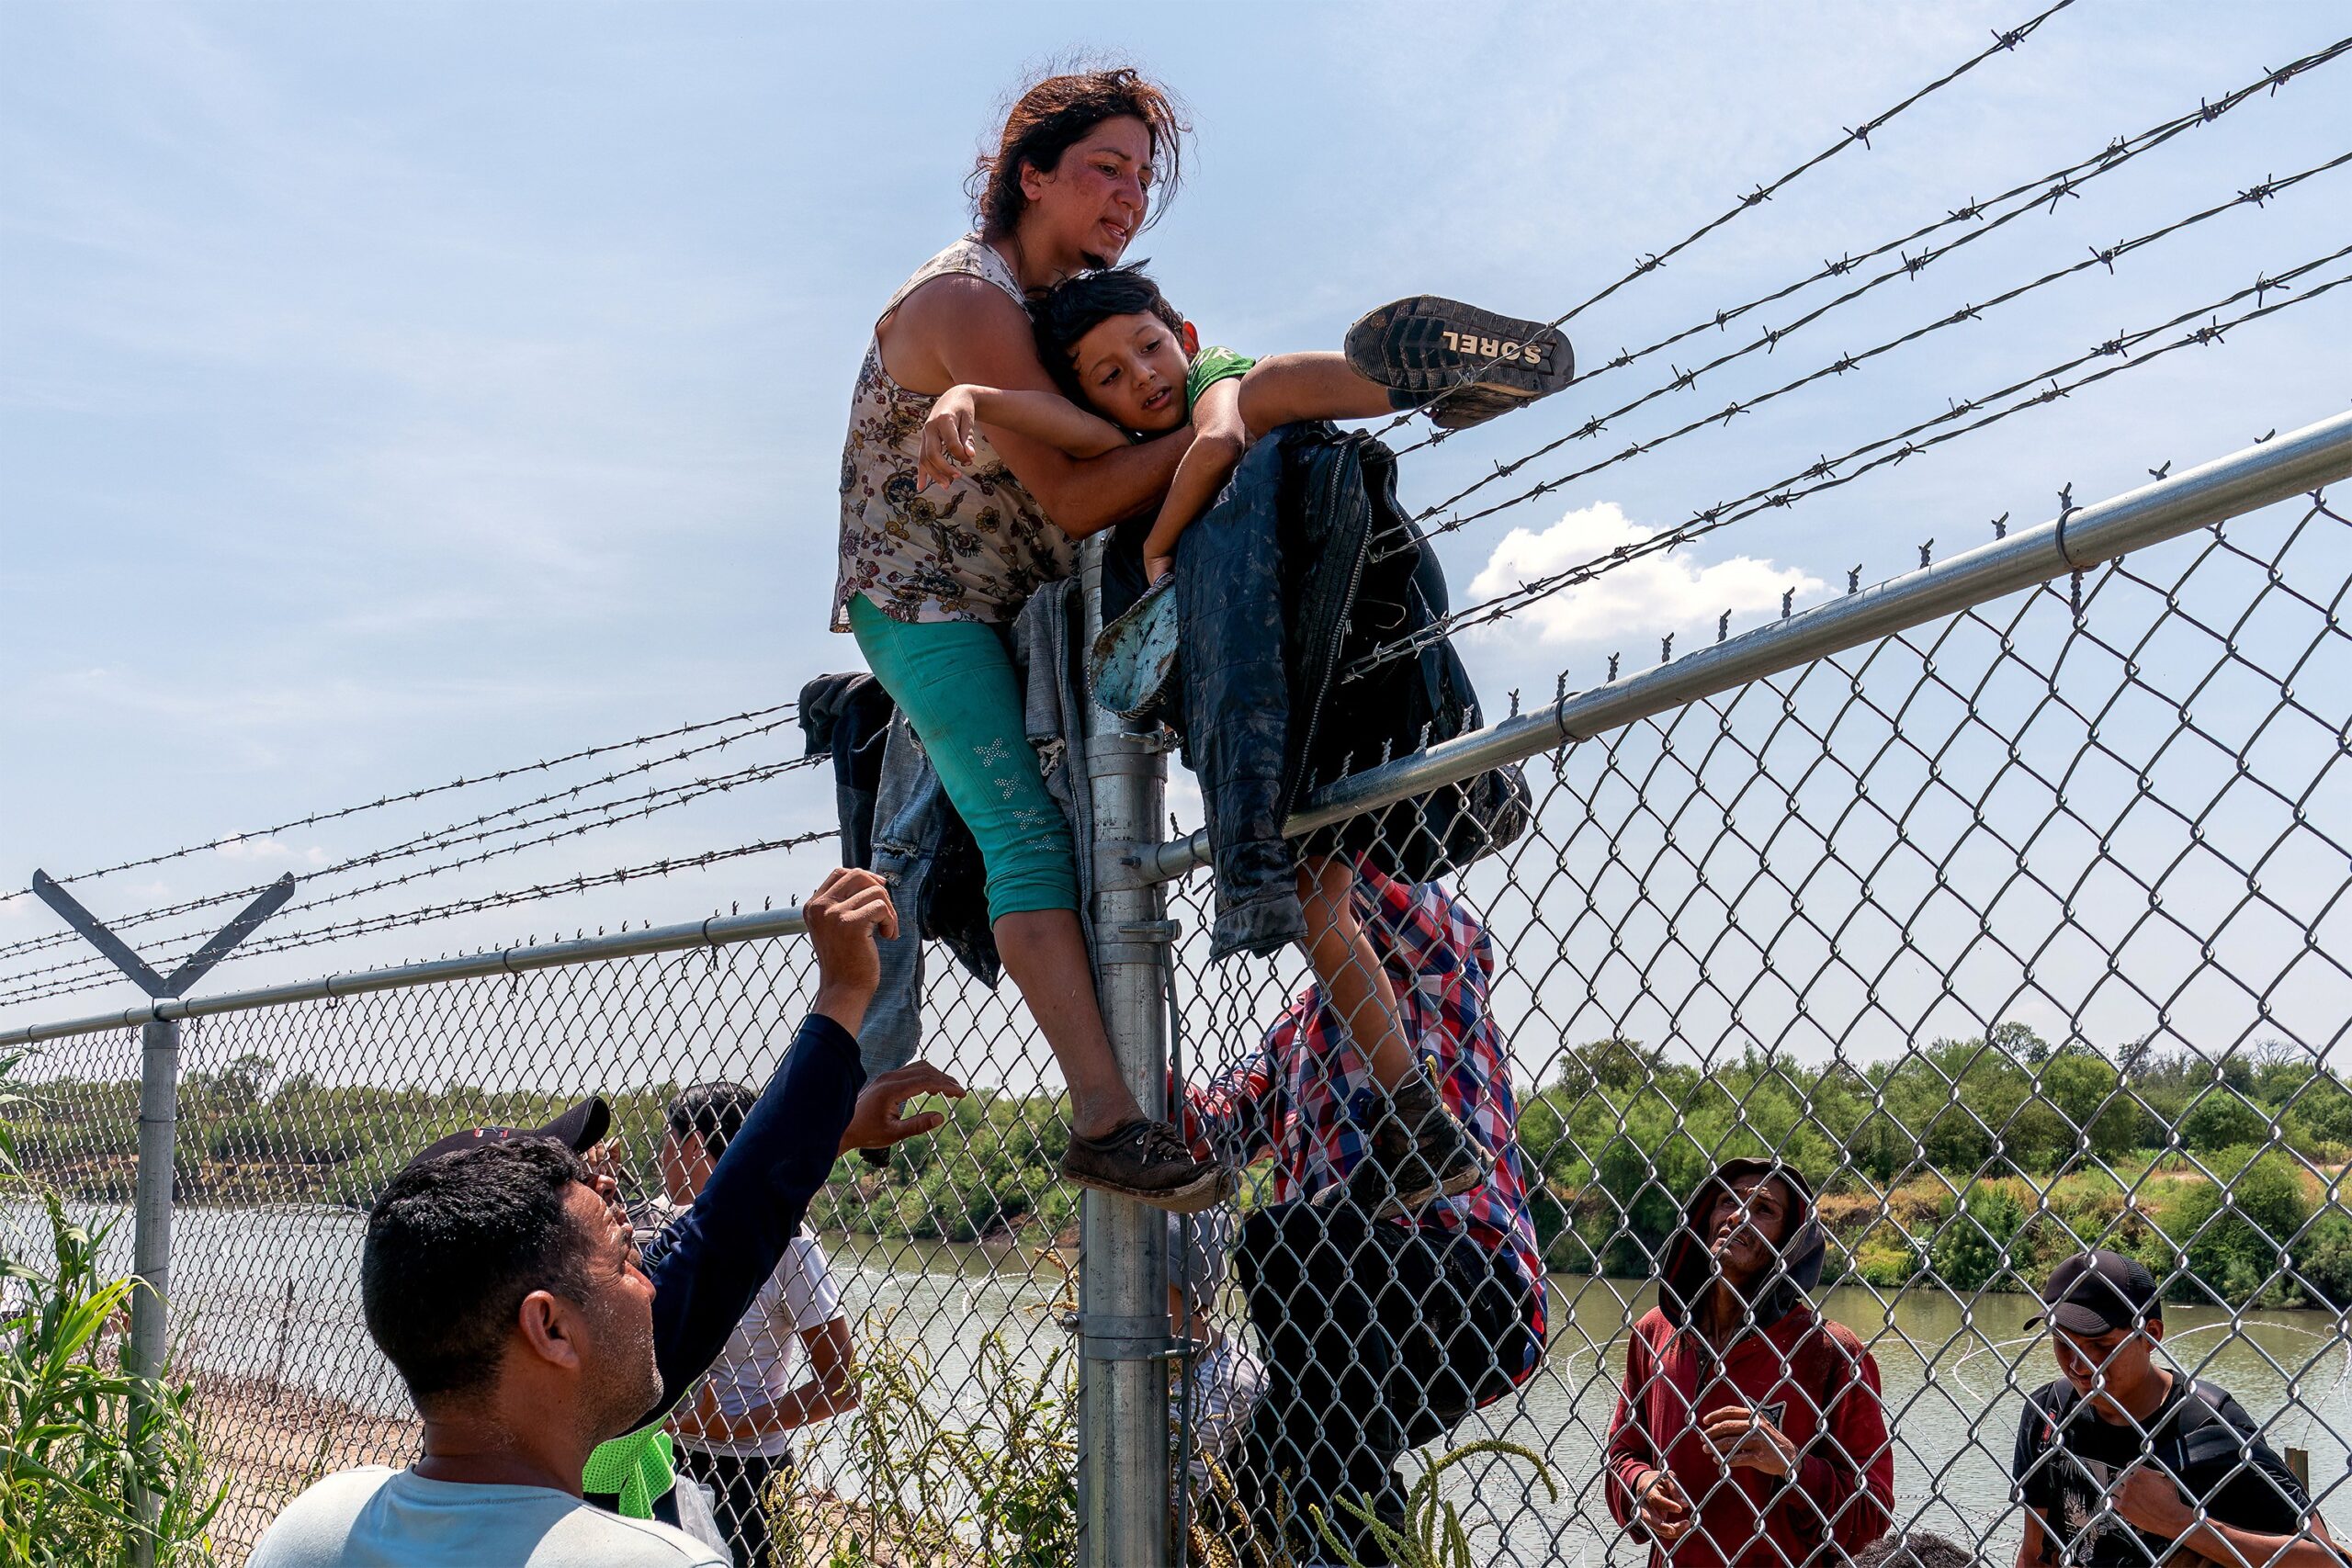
1648, 596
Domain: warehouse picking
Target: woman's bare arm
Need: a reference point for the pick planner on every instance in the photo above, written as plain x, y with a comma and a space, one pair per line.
964, 329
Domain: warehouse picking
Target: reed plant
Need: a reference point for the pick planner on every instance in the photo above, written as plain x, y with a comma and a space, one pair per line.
93, 1454
1431, 1535
991, 1484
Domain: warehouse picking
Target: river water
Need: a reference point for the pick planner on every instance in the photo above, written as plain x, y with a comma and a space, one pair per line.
274, 1294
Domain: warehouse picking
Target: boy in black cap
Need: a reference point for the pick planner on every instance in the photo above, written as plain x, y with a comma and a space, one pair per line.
2090, 1499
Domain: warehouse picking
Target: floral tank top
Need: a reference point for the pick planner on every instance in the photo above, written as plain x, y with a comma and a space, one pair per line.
974, 551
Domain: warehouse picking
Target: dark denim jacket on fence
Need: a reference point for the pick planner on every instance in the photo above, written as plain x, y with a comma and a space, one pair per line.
1278, 590
897, 820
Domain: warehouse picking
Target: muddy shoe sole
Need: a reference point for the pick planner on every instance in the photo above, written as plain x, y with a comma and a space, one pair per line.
1376, 1192
1204, 1192
1426, 345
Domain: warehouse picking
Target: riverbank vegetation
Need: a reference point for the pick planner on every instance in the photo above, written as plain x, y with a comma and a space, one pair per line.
98, 1455
1978, 1161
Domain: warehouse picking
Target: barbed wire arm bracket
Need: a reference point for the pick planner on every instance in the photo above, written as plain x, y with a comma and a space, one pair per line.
224, 942
118, 952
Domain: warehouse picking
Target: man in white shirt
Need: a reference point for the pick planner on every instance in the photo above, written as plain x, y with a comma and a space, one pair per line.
503, 1284
736, 1435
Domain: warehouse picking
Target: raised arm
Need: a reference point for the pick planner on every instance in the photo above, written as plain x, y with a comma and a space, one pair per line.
960, 328
1233, 1114
710, 1263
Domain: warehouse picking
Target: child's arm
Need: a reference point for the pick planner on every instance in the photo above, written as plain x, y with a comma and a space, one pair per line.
1041, 416
1284, 388
1219, 439
1279, 389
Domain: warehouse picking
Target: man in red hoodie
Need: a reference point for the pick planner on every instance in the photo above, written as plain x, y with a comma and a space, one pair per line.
1748, 1431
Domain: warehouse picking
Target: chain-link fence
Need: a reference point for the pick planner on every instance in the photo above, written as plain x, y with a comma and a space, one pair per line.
2011, 931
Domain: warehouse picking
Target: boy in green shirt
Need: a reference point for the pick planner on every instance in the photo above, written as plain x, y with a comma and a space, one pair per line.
1126, 352
1117, 345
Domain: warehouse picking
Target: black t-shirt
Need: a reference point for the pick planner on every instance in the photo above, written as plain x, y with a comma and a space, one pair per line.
2067, 1458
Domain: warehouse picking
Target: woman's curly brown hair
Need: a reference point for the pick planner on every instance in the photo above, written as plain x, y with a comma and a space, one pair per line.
1054, 112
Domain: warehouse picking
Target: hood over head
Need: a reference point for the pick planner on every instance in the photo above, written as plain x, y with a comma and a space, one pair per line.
1691, 1266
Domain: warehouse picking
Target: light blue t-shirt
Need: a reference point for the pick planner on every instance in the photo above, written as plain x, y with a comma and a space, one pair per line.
375, 1517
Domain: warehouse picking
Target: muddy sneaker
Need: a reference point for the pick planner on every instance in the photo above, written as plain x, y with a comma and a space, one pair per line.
1146, 1160
1419, 1152
1464, 364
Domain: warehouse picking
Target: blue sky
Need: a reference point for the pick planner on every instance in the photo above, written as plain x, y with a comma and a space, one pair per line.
394, 392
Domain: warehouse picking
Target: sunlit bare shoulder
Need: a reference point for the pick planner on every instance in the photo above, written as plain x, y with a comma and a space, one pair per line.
958, 309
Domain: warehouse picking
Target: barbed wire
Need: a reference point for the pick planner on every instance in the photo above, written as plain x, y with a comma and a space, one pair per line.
462, 783
2003, 41
2257, 195
661, 799
437, 838
1901, 445
2051, 188
423, 914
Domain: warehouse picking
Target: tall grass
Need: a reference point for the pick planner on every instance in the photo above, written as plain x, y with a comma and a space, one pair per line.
994, 1489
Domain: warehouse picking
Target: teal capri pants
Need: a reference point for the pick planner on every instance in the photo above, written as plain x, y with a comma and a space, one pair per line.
954, 682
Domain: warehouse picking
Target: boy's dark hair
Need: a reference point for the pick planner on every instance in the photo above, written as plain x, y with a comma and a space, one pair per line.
453, 1246
1080, 303
711, 1112
1051, 115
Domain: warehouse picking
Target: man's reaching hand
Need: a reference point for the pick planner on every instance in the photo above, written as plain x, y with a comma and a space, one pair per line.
880, 1119
849, 908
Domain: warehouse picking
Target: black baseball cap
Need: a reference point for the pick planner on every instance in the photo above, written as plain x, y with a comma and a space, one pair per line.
2099, 1292
579, 1129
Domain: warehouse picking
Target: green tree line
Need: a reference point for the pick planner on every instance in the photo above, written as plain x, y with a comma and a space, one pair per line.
1978, 1161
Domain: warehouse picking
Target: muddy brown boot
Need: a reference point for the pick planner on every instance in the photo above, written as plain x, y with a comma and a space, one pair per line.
1146, 1160
1418, 1152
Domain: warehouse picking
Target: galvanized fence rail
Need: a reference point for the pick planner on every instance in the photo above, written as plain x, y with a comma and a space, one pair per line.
2003, 902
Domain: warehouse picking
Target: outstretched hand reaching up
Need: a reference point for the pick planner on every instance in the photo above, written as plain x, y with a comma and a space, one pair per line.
850, 907
880, 1119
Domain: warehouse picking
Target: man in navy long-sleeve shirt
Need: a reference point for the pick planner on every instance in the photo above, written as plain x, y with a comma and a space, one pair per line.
709, 1264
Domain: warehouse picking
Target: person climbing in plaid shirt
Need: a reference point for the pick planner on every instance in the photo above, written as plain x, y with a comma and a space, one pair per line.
1382, 1330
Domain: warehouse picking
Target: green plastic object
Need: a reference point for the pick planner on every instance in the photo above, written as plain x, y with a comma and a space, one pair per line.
636, 1466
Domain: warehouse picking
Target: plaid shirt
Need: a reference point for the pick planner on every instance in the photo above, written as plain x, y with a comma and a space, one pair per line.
1306, 1095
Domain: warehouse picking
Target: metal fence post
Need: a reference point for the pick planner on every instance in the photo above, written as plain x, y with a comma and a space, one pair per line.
151, 1244
159, 1100
1123, 1291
